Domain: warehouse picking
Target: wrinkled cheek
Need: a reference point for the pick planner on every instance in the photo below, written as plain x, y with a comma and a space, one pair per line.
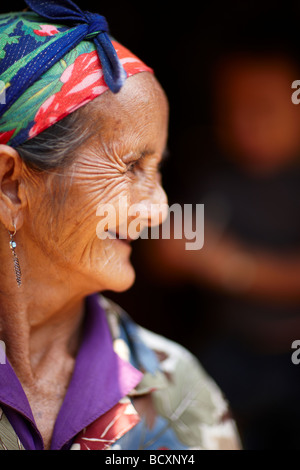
112, 210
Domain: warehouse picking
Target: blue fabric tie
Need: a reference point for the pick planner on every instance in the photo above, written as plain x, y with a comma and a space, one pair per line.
83, 26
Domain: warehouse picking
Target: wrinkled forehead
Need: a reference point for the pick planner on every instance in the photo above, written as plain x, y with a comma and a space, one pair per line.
141, 100
138, 113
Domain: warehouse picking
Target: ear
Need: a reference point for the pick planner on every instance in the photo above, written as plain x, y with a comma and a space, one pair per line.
12, 196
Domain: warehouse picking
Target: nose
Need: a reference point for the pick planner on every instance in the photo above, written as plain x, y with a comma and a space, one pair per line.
158, 207
152, 210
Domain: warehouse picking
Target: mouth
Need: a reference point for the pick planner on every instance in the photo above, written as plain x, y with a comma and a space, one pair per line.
120, 237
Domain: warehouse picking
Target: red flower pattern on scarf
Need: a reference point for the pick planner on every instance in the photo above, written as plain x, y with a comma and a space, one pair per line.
5, 136
82, 82
46, 30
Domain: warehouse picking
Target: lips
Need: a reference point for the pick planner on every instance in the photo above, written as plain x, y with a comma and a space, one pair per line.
121, 237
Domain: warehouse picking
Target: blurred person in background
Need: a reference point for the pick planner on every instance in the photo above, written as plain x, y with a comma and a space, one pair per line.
250, 262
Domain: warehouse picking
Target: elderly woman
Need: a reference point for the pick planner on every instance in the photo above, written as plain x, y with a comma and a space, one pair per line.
84, 122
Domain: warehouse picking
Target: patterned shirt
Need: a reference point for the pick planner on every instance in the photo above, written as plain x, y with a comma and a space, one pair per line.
173, 403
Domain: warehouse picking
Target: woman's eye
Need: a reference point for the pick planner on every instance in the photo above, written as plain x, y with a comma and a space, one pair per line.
132, 165
139, 163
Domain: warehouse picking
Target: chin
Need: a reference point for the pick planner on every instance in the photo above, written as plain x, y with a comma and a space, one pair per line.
119, 279
125, 281
111, 269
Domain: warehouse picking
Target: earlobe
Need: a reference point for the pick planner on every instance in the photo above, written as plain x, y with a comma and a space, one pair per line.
10, 195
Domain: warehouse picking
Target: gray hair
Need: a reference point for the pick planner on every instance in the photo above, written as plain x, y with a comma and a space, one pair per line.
55, 148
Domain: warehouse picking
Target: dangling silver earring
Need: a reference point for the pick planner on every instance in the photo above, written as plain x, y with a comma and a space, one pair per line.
13, 246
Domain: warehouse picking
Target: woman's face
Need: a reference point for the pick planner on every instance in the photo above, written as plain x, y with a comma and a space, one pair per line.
121, 160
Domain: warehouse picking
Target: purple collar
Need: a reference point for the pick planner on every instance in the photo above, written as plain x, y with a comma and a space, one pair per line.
100, 379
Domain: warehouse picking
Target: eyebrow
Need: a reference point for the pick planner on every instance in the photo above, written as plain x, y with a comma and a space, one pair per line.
165, 154
146, 152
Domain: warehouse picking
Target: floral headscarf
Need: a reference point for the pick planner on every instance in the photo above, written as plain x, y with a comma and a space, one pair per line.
44, 76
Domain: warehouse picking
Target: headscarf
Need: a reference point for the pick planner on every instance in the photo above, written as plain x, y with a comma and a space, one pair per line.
53, 60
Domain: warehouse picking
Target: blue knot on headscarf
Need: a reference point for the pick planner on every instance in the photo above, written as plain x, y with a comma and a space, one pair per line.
67, 12
97, 24
83, 26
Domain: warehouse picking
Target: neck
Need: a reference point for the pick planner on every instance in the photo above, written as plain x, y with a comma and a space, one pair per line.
31, 343
40, 322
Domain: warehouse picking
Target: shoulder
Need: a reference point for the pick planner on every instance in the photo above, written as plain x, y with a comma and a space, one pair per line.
183, 392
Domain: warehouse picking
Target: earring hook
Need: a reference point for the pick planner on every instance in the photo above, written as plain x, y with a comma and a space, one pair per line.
15, 230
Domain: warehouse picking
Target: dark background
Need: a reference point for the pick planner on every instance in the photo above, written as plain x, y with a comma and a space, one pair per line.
180, 41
